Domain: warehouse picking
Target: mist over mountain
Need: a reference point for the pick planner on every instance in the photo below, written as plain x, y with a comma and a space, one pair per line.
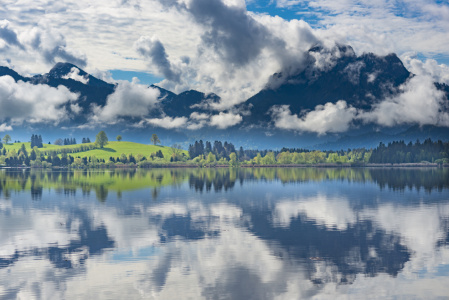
341, 75
334, 100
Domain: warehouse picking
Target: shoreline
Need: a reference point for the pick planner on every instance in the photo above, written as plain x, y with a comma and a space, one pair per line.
323, 165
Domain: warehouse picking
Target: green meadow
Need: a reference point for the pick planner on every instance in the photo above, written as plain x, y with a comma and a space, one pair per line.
114, 149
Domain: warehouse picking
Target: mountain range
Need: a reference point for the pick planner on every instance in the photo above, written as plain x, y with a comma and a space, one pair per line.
361, 81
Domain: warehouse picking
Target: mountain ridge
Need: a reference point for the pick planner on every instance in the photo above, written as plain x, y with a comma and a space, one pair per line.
329, 75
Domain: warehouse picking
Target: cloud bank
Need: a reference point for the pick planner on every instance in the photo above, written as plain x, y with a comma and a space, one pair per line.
130, 99
196, 121
418, 101
325, 118
21, 101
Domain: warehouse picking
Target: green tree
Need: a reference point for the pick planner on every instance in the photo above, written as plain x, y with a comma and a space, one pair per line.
176, 151
6, 139
123, 158
101, 139
23, 150
269, 159
119, 138
211, 158
233, 159
284, 158
155, 139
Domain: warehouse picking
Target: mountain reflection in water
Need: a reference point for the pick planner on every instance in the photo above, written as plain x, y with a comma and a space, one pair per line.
269, 233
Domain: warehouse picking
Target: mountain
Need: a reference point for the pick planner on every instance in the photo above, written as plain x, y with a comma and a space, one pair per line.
325, 76
359, 80
185, 103
5, 71
91, 90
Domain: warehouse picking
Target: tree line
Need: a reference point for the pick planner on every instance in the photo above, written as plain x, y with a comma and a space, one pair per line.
224, 153
400, 152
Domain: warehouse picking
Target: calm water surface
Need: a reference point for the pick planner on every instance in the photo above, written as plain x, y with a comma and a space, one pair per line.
225, 234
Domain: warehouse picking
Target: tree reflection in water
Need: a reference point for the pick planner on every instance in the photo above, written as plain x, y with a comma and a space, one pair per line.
220, 179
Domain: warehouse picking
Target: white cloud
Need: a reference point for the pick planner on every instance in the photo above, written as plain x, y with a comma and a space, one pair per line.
75, 108
5, 127
8, 34
419, 102
75, 75
438, 72
168, 122
287, 3
130, 99
382, 26
22, 101
152, 49
196, 121
325, 118
225, 120
50, 44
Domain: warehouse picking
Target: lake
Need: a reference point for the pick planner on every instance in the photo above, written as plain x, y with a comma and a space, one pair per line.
274, 233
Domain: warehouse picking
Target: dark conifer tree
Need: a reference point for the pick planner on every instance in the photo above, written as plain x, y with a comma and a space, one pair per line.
241, 153
208, 148
32, 155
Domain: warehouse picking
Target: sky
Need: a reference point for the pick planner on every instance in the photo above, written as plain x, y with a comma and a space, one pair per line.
101, 36
226, 47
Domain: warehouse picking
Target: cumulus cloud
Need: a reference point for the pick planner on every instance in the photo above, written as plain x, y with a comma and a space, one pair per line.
8, 35
130, 99
196, 121
325, 118
238, 50
225, 120
51, 45
22, 101
235, 36
152, 49
168, 122
438, 72
5, 127
379, 26
75, 75
419, 101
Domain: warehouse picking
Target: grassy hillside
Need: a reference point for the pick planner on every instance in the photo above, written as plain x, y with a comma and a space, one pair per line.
114, 149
